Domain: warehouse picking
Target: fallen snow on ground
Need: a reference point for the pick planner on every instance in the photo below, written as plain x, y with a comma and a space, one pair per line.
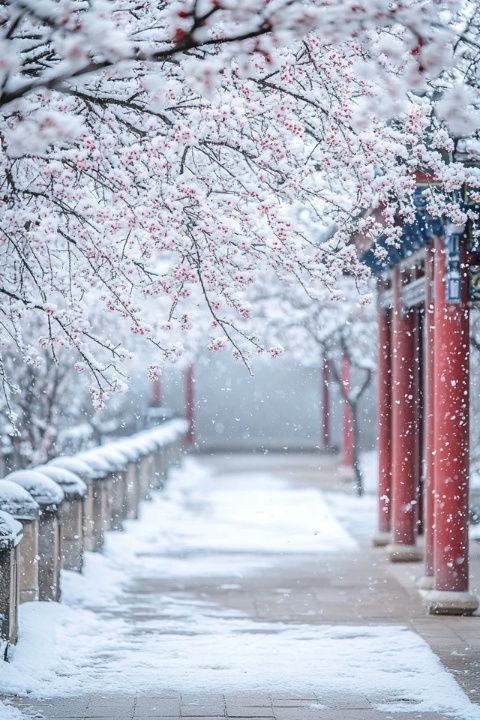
251, 513
197, 647
222, 528
8, 712
357, 514
200, 523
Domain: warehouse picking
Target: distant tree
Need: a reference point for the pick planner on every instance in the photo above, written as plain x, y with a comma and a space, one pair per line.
332, 325
46, 399
344, 347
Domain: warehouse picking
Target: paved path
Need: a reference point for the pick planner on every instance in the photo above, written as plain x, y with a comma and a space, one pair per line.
352, 589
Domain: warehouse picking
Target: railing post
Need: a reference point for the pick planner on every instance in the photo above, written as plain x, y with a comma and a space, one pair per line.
50, 496
10, 536
101, 497
86, 474
71, 514
16, 501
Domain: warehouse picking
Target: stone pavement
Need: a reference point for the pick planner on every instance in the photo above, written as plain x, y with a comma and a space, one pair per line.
220, 706
355, 588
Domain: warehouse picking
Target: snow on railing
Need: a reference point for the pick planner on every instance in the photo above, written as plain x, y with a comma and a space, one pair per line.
51, 514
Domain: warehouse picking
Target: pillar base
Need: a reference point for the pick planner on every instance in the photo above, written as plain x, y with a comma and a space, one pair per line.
451, 602
381, 539
404, 553
425, 583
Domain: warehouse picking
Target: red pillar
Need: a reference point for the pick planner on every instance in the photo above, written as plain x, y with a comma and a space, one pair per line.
347, 417
429, 416
189, 403
419, 398
384, 423
325, 392
156, 393
451, 387
404, 510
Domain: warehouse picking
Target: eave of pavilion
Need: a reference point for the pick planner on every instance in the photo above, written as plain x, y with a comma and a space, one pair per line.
383, 255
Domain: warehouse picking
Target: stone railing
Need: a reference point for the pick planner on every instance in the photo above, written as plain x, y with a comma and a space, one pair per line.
51, 514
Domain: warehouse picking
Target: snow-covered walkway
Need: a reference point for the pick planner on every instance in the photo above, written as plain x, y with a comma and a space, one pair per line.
245, 591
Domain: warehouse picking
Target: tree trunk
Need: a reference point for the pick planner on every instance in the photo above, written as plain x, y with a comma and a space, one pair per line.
359, 487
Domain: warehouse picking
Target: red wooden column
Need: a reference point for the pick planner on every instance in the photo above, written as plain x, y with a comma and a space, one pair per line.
404, 511
325, 393
384, 424
347, 417
156, 393
189, 403
426, 582
419, 399
450, 594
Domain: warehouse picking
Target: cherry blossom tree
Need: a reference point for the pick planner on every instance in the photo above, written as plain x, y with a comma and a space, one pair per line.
46, 399
154, 155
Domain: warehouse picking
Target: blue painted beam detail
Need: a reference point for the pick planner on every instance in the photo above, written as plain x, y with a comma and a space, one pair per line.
414, 236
